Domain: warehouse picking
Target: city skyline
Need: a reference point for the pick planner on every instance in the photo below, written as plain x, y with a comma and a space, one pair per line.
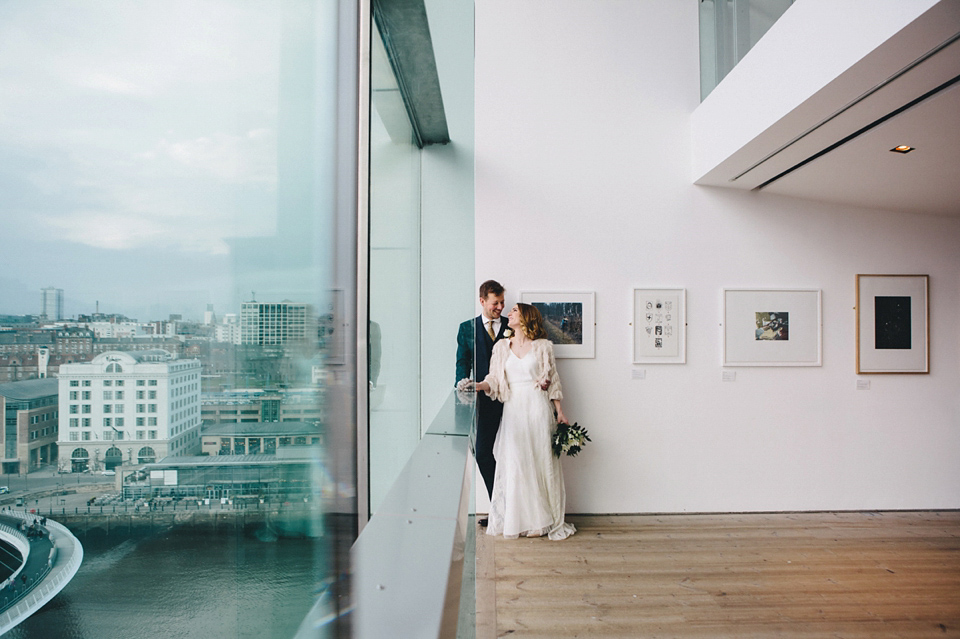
188, 315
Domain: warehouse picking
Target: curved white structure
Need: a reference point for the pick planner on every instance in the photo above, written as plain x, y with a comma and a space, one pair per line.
65, 559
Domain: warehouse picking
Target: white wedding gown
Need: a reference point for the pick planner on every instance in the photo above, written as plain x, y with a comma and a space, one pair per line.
528, 495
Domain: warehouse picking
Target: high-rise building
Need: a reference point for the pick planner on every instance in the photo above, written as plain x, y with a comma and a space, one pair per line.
128, 407
51, 303
275, 324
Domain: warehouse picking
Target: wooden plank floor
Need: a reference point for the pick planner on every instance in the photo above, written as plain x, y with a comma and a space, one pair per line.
850, 575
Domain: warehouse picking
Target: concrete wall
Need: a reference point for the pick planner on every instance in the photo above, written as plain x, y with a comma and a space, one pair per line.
583, 182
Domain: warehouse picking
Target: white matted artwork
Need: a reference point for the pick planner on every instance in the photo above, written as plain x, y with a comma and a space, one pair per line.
893, 322
659, 325
772, 327
569, 319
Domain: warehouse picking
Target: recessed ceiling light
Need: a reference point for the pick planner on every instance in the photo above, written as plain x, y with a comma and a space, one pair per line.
903, 148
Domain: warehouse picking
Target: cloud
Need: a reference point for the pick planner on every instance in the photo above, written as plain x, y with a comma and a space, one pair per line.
108, 83
233, 158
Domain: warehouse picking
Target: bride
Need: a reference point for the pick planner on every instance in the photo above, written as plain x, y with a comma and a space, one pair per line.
528, 496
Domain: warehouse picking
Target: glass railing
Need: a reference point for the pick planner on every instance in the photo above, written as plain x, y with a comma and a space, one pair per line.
728, 29
411, 559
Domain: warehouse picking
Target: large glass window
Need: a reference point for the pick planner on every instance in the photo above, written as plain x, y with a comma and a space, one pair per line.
728, 30
394, 338
179, 163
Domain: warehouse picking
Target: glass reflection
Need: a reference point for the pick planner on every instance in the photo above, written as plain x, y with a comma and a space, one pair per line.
168, 171
394, 280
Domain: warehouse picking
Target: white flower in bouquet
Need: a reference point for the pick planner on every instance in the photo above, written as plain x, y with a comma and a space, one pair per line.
569, 439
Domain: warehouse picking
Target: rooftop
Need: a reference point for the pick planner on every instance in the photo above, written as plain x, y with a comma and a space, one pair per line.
293, 456
30, 389
246, 429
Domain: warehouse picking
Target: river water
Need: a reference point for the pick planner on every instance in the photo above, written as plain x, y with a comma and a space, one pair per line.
183, 584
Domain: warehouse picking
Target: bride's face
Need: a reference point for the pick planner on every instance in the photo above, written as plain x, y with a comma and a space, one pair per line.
513, 319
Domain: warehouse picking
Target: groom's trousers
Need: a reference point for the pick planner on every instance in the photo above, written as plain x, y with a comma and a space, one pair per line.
488, 423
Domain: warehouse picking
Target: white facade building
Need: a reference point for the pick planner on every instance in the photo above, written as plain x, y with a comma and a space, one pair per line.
228, 330
118, 329
128, 408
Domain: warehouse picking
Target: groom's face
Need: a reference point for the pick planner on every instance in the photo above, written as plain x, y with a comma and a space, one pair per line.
492, 305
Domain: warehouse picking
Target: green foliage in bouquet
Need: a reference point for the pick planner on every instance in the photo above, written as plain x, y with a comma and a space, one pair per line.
569, 439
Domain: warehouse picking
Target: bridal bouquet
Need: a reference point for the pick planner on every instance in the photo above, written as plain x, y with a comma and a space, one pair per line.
569, 439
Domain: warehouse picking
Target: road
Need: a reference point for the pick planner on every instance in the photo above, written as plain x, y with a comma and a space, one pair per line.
47, 479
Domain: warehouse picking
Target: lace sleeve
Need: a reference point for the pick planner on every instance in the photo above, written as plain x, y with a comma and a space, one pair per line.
548, 370
497, 377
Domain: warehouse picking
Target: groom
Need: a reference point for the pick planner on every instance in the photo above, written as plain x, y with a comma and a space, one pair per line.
475, 342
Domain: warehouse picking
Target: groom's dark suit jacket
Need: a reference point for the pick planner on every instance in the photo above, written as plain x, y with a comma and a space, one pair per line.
474, 347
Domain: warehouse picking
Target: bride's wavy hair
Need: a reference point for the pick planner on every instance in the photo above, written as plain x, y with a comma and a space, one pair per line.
531, 321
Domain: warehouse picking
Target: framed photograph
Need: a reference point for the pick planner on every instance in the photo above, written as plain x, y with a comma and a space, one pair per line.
893, 324
659, 325
570, 320
772, 327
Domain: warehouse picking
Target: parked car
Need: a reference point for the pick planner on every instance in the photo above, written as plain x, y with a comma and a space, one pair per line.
4, 490
111, 473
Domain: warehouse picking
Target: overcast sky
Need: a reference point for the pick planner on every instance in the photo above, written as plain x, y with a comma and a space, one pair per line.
137, 139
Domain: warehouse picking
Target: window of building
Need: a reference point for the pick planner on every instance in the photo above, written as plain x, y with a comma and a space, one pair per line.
153, 382
119, 395
153, 394
119, 422
108, 382
119, 382
74, 382
119, 434
74, 409
74, 437
152, 434
86, 394
86, 436
152, 408
141, 382
118, 408
86, 422
108, 408
107, 435
108, 394
141, 434
141, 408
140, 421
152, 421
74, 422
86, 408
141, 394
86, 382
74, 395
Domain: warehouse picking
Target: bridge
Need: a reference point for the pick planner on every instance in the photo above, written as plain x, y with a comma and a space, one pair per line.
49, 558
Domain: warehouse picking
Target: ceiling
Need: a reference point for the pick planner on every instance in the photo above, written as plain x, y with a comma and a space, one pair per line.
835, 147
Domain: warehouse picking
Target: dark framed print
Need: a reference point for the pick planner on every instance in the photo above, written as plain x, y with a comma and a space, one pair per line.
893, 324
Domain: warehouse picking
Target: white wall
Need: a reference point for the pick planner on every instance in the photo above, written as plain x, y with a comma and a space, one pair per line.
583, 183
